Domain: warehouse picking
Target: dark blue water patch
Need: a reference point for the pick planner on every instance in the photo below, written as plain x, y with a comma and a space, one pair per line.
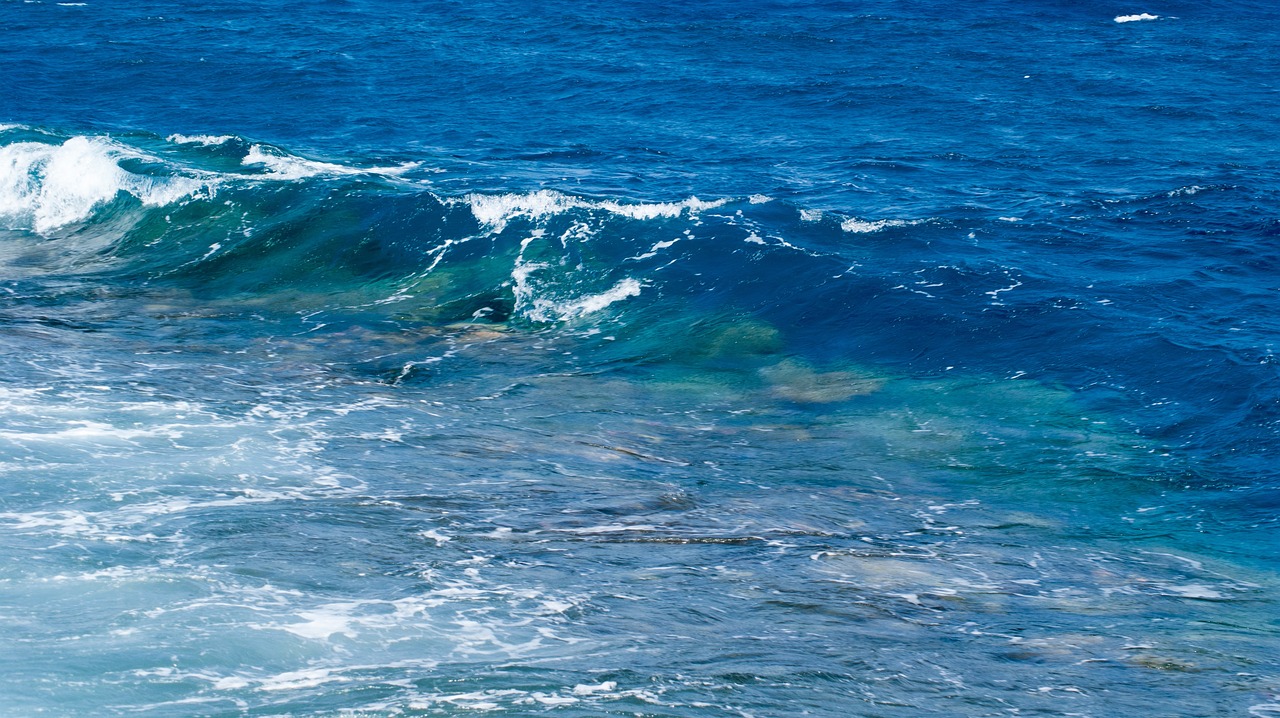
700, 89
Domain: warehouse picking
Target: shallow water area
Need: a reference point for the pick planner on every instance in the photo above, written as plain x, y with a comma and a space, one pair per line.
259, 525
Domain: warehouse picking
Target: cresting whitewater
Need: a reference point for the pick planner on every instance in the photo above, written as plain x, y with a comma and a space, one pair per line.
480, 361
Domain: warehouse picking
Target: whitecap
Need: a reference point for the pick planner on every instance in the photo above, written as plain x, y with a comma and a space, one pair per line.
1137, 18
206, 140
291, 167
44, 186
494, 211
859, 226
586, 689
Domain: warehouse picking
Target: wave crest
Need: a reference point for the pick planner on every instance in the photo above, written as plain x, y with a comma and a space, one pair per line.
47, 186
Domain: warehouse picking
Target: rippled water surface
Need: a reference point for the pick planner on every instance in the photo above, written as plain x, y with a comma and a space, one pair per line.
764, 359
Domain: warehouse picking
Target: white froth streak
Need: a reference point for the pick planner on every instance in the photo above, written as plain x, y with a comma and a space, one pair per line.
494, 211
858, 226
206, 140
291, 167
44, 186
542, 309
545, 310
1137, 18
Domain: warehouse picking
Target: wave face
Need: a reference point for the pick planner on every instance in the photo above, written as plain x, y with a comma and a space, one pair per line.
714, 361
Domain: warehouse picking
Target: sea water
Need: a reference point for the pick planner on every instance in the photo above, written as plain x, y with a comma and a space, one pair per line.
734, 359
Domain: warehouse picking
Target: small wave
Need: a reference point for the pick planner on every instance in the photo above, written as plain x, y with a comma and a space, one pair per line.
46, 186
1136, 18
291, 167
858, 226
495, 211
206, 140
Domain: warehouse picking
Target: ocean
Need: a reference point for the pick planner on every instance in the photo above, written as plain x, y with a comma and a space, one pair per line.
726, 359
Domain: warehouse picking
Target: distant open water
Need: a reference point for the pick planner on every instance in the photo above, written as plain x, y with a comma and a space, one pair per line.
729, 359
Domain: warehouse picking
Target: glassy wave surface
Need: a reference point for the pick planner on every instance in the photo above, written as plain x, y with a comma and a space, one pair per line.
638, 363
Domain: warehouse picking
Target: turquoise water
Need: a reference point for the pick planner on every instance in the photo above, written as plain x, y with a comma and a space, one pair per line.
783, 359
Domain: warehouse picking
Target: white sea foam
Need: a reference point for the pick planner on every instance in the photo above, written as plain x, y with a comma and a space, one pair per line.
611, 528
657, 247
544, 309
858, 226
495, 211
1194, 590
206, 140
593, 302
662, 209
291, 167
1137, 18
44, 186
586, 689
543, 302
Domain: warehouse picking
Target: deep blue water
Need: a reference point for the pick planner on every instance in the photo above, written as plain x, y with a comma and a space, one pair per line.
730, 359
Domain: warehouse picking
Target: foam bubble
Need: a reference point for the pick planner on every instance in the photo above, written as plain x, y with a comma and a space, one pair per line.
44, 187
1136, 18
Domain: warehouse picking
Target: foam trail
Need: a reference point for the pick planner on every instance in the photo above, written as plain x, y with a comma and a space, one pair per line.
1136, 18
